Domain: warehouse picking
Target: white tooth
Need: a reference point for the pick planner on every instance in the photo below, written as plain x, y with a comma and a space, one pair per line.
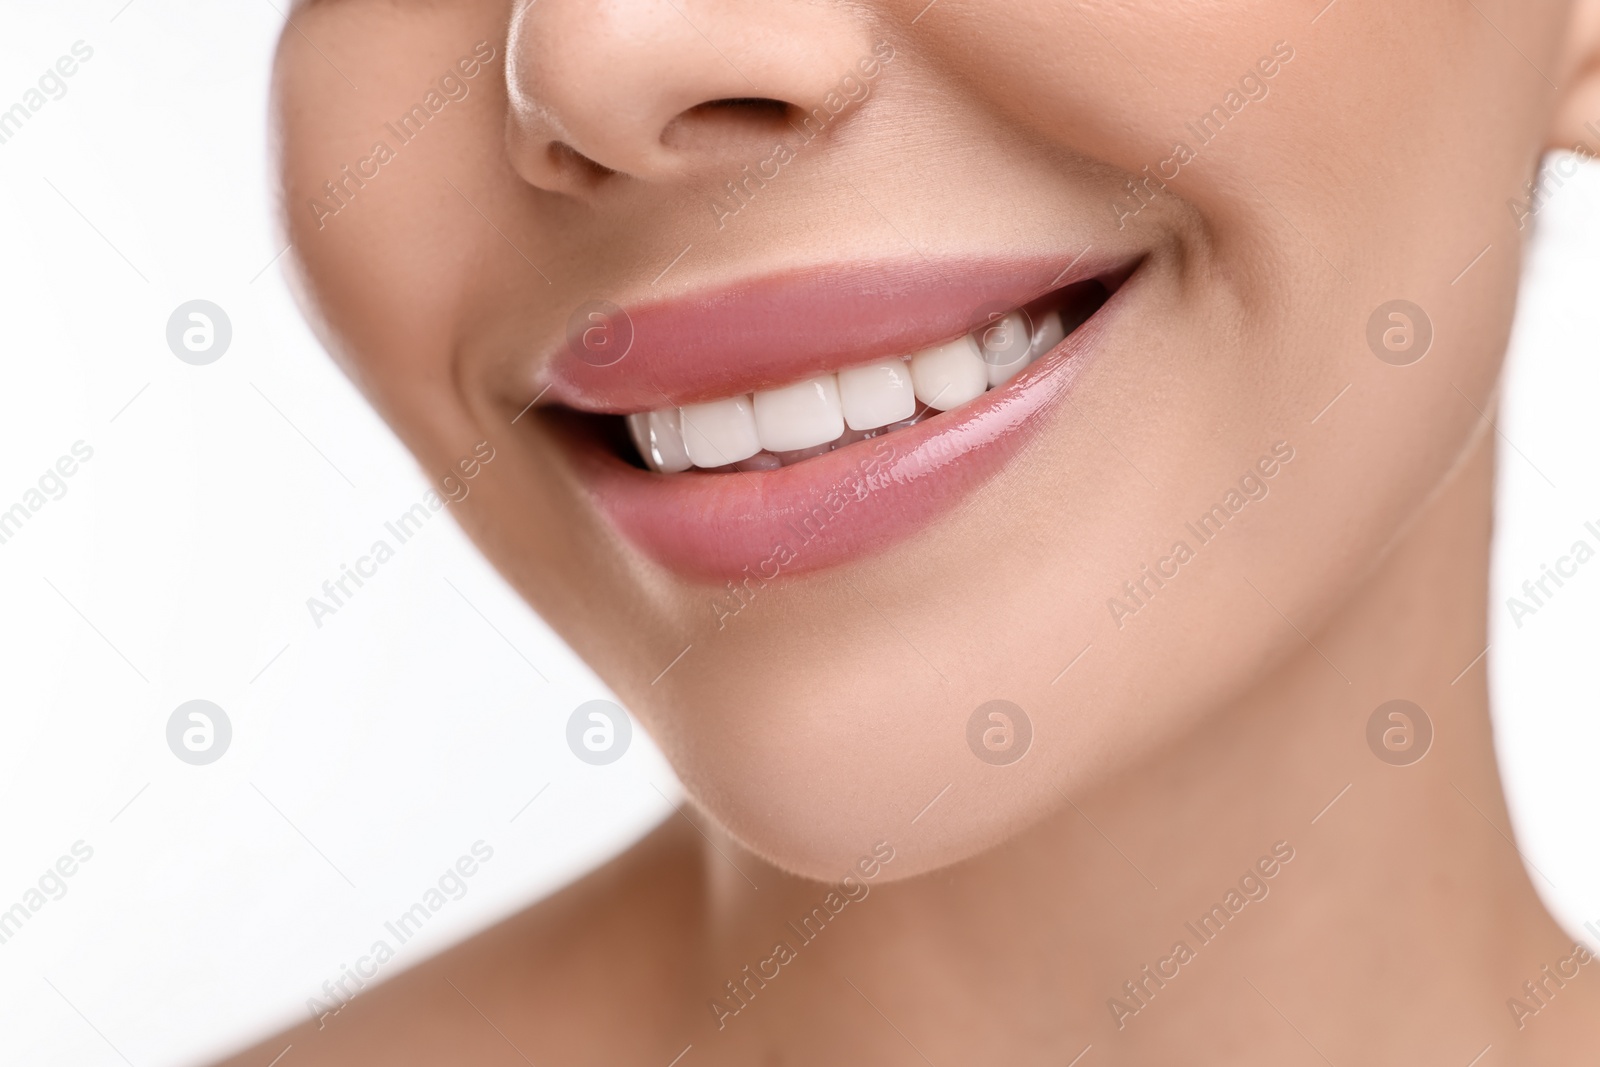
800, 415
659, 440
720, 432
950, 374
876, 394
1004, 345
1047, 333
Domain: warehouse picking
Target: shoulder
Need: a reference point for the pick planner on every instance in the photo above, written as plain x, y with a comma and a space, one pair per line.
594, 973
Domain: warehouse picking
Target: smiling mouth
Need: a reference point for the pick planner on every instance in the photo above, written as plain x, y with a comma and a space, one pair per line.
804, 419
777, 427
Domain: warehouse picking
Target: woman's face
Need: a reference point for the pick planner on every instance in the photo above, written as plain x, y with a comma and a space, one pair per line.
619, 207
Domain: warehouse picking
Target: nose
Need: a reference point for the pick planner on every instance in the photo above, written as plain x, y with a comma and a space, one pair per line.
662, 89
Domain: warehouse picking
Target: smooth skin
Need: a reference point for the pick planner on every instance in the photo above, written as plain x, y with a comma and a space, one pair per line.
1190, 738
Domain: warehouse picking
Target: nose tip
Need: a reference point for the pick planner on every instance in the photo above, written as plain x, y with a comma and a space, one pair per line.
662, 89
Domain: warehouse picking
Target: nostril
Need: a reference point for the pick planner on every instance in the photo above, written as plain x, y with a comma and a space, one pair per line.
649, 98
720, 123
751, 106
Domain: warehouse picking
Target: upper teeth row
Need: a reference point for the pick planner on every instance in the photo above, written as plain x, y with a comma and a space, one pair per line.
776, 426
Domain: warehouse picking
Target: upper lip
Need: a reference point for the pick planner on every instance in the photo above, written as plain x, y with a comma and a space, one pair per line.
777, 329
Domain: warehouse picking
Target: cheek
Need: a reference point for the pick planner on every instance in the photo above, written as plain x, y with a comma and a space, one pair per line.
390, 268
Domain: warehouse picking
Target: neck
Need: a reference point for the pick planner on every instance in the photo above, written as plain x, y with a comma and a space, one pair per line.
1269, 875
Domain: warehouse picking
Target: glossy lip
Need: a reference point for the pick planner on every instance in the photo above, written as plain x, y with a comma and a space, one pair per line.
854, 500
775, 330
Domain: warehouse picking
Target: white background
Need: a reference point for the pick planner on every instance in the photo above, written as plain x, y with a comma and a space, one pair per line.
371, 753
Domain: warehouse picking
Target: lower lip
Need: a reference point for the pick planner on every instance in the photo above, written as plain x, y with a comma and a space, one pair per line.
842, 505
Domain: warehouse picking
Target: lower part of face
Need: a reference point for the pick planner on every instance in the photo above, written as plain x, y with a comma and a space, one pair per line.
1314, 208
